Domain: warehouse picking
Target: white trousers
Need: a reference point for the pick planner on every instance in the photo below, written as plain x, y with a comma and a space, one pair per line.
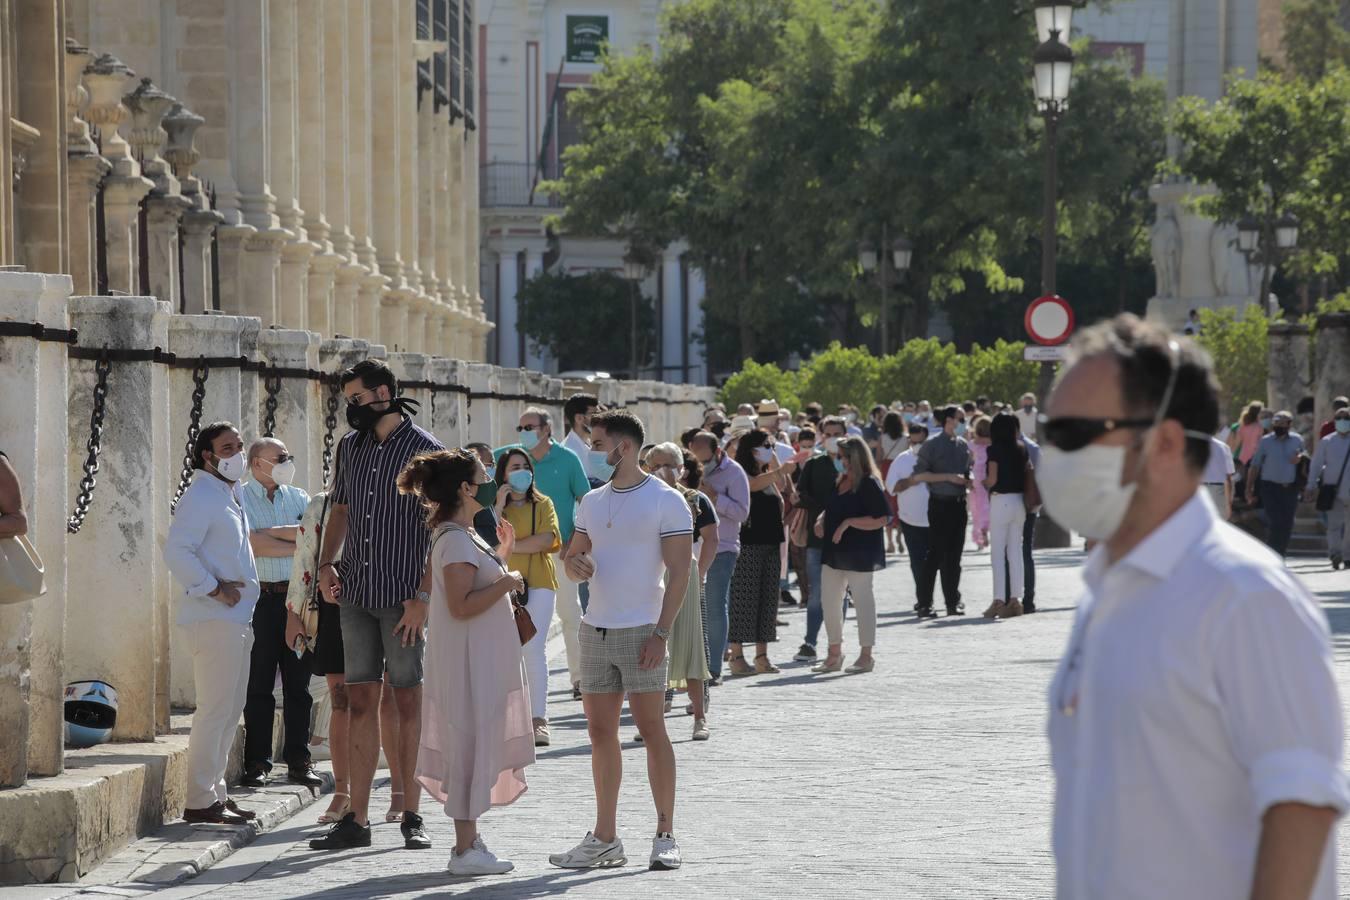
540, 608
569, 613
834, 583
1007, 515
220, 655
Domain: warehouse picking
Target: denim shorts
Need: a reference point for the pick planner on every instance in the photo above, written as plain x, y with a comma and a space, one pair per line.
370, 648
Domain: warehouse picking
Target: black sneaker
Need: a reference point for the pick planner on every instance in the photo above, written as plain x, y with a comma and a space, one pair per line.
305, 774
1336, 563
805, 653
414, 834
345, 834
785, 598
958, 610
1028, 605
253, 777
925, 612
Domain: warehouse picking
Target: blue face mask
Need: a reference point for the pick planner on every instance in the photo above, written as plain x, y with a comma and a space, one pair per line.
839, 465
600, 465
520, 480
491, 472
908, 417
529, 439
1342, 426
960, 429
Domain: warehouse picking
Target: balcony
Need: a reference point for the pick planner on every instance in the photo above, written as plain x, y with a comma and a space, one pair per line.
508, 184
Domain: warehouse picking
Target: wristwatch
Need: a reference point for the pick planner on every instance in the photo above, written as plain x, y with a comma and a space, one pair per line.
424, 596
662, 633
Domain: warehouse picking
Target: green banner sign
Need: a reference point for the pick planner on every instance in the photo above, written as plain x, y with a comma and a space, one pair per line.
586, 36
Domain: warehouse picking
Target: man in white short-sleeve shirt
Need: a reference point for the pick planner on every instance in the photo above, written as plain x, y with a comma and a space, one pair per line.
911, 501
628, 534
1218, 477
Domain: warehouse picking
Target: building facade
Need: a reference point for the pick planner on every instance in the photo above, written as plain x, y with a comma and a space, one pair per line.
536, 53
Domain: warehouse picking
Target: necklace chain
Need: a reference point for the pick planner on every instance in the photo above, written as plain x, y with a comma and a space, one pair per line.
610, 506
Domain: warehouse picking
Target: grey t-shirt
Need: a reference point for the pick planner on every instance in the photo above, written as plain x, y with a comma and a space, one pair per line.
944, 455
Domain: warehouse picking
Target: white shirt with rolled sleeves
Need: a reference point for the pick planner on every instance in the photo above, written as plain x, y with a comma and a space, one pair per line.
1201, 690
912, 502
1220, 466
208, 544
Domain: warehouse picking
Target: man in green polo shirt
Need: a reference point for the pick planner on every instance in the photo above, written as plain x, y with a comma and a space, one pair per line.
559, 474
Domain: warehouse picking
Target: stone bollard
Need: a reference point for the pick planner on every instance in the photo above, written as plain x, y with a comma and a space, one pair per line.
509, 382
1289, 353
335, 356
298, 399
113, 588
482, 412
32, 635
192, 337
1333, 363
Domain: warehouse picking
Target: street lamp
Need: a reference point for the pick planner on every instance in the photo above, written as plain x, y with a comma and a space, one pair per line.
635, 271
895, 256
1254, 242
1286, 231
1052, 17
1249, 234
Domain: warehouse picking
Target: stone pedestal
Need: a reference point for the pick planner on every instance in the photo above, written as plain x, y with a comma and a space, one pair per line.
394, 320
1290, 364
482, 413
86, 170
335, 356
230, 240
112, 593
298, 403
1333, 363
446, 416
162, 217
33, 379
191, 337
198, 226
250, 385
506, 415
261, 262
293, 285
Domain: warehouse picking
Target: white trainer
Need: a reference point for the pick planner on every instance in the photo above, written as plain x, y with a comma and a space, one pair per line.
591, 853
665, 853
477, 860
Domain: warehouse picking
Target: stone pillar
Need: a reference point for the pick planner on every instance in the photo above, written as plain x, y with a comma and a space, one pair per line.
509, 381
199, 221
293, 277
113, 595
368, 306
192, 336
335, 356
32, 635
481, 414
165, 206
250, 385
508, 341
1290, 351
346, 298
413, 367
535, 358
41, 93
447, 408
1333, 363
394, 320
406, 84
85, 169
357, 137
299, 401
319, 292
106, 78
312, 151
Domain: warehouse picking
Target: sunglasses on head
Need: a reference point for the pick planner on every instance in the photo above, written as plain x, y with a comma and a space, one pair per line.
1069, 433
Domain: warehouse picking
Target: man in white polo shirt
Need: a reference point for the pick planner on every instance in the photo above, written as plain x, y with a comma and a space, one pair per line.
1195, 728
911, 501
628, 534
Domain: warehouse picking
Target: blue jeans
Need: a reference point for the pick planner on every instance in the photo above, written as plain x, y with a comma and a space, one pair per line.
815, 616
718, 596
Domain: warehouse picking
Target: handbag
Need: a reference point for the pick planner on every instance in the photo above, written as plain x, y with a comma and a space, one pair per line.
1326, 493
798, 527
22, 576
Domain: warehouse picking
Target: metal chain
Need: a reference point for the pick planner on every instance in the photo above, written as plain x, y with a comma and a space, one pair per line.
199, 375
330, 426
95, 443
272, 384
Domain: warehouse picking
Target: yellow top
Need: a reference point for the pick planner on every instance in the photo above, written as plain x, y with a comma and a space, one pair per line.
529, 519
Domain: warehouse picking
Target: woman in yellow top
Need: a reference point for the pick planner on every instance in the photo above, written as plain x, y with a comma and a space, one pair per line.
532, 515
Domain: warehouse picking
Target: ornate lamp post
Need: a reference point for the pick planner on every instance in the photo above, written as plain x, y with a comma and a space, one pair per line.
1266, 241
898, 260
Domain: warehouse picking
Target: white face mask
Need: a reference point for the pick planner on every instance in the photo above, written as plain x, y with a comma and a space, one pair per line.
232, 468
284, 473
1082, 489
832, 445
763, 454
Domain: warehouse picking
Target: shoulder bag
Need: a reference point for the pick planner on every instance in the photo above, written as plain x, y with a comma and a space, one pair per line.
525, 627
1326, 493
22, 576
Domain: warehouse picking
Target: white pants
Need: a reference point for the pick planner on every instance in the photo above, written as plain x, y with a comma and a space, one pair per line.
220, 656
569, 613
540, 608
1007, 515
833, 584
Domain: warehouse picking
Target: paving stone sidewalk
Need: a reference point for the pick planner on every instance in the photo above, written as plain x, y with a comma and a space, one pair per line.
928, 778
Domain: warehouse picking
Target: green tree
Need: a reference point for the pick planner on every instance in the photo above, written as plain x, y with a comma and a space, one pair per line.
922, 369
1316, 36
997, 372
838, 375
1241, 352
584, 321
760, 381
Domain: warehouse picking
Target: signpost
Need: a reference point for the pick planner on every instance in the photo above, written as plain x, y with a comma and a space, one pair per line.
1049, 323
1049, 320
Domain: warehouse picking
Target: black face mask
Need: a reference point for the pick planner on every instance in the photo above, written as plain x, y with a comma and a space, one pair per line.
365, 418
1281, 430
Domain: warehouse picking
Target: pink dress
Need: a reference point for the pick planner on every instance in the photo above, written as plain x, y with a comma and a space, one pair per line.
477, 734
979, 497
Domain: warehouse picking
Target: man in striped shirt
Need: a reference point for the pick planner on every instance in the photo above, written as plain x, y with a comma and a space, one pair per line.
383, 585
274, 508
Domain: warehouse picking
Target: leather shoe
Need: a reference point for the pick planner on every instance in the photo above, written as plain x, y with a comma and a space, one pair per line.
925, 612
305, 774
247, 815
253, 777
215, 814
345, 834
958, 610
415, 835
1028, 605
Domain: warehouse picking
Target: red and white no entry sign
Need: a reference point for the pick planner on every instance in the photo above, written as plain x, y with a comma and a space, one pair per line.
1049, 320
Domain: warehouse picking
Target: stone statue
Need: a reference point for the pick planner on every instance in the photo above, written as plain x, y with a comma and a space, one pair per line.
1221, 260
1166, 239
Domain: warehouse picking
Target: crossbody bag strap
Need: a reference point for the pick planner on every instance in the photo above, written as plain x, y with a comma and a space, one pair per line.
1345, 459
319, 529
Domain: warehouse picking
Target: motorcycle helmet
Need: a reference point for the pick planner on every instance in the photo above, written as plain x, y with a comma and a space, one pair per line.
91, 712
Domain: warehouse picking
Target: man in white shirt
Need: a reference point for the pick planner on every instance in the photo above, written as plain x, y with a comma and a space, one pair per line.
577, 412
628, 534
912, 501
1218, 477
208, 552
1328, 470
1026, 415
1195, 727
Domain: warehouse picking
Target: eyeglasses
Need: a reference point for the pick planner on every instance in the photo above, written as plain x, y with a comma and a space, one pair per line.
352, 399
527, 427
283, 458
1069, 433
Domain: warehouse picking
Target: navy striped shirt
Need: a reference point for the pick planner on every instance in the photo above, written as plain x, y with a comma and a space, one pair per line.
387, 538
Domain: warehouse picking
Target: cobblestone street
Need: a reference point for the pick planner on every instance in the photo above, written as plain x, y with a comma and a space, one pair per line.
928, 778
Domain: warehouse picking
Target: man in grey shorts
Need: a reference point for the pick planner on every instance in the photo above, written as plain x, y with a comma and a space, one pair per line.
628, 534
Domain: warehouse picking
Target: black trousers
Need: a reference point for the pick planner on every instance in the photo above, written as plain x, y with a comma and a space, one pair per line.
269, 652
1028, 562
946, 540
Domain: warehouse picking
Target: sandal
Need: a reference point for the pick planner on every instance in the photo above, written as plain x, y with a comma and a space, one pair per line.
767, 668
394, 815
332, 817
740, 667
830, 664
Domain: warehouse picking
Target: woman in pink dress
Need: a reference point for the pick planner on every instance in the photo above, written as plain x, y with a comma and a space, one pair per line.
979, 494
477, 735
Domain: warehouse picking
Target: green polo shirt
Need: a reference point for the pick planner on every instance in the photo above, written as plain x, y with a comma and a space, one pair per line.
562, 479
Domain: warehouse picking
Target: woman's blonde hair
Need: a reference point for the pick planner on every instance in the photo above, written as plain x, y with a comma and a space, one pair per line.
858, 460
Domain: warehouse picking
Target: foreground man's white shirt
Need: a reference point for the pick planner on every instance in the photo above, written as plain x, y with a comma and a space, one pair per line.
1199, 673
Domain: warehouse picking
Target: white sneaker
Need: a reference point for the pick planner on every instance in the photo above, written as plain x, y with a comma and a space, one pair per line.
477, 860
665, 853
591, 853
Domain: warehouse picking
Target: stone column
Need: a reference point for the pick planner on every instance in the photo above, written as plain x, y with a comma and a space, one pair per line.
106, 78
1333, 363
298, 402
191, 336
346, 298
405, 83
358, 136
113, 594
394, 320
481, 414
508, 342
698, 360
1290, 352
165, 205
447, 414
387, 179
285, 158
369, 310
199, 220
293, 284
313, 111
335, 356
413, 367
509, 381
250, 385
32, 635
319, 292
85, 169
41, 94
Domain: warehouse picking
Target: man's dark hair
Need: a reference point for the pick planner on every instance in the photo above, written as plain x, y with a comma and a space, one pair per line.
1146, 358
837, 421
813, 411
969, 407
688, 435
806, 434
982, 400
577, 405
621, 423
942, 414
372, 374
205, 439
478, 445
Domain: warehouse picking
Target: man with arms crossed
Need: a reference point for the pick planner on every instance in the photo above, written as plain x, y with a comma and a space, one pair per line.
627, 534
1195, 728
